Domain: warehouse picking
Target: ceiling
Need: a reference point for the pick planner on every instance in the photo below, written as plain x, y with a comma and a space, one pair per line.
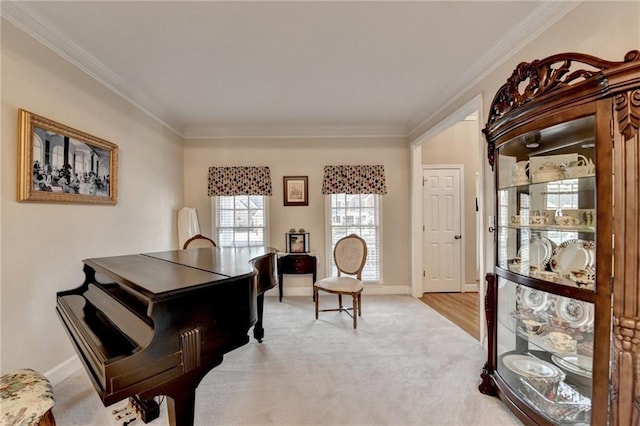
209, 69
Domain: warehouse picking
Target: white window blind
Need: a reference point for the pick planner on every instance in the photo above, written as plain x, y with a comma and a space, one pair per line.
240, 220
358, 214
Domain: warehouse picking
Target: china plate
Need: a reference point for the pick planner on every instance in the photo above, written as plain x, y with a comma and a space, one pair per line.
540, 251
530, 367
572, 254
530, 298
579, 364
577, 313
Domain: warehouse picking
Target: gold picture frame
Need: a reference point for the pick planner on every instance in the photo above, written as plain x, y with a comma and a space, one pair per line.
59, 164
296, 190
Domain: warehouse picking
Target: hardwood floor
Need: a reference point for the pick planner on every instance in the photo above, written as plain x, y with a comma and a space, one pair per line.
459, 308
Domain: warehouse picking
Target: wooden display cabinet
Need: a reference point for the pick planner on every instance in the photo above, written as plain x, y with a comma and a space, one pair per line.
563, 300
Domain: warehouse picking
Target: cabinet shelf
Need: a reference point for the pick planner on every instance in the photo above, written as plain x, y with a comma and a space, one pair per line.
569, 290
555, 228
587, 179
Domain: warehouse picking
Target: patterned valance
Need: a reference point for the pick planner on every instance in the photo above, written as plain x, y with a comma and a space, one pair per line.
354, 180
239, 181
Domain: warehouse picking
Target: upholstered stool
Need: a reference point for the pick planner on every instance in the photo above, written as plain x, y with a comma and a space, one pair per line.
26, 398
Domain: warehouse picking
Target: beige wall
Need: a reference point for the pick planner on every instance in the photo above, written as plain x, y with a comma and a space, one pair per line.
606, 29
459, 145
307, 157
42, 245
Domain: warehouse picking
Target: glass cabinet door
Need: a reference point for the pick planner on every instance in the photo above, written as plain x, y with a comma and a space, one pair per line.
546, 268
545, 351
546, 205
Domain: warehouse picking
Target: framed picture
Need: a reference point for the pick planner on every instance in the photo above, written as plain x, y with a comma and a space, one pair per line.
297, 242
59, 164
296, 190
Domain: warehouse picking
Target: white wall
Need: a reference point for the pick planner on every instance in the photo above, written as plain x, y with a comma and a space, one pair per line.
42, 245
307, 157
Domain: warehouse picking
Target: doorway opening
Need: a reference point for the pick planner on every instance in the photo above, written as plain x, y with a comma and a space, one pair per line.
455, 140
443, 228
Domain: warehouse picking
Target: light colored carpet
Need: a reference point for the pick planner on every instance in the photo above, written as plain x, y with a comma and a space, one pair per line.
404, 365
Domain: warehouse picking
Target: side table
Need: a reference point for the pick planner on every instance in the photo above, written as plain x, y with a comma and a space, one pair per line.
296, 263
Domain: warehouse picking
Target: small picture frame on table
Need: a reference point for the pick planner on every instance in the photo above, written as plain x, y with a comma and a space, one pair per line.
297, 242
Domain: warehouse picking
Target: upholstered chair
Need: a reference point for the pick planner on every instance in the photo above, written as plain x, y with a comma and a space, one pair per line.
349, 255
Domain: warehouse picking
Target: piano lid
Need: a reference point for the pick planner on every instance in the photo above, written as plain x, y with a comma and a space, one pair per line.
228, 261
164, 274
153, 278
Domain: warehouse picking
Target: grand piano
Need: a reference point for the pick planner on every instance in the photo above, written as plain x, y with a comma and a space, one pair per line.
155, 324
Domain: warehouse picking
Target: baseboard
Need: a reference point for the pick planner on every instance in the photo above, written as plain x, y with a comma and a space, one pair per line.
369, 289
470, 288
63, 370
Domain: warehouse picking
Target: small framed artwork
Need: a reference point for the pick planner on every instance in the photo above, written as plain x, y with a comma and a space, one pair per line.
59, 164
296, 190
297, 242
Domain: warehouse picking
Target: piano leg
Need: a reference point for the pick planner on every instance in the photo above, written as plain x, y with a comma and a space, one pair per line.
181, 407
258, 330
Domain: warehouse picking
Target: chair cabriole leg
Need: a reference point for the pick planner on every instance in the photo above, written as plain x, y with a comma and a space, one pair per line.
356, 309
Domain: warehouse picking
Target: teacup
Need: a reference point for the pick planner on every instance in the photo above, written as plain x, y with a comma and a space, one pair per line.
582, 276
562, 341
538, 220
514, 265
567, 221
533, 326
532, 323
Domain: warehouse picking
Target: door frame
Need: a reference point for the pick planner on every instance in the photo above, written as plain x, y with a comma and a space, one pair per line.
485, 177
461, 190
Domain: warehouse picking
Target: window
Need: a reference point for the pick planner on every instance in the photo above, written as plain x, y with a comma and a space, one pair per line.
559, 196
357, 214
240, 220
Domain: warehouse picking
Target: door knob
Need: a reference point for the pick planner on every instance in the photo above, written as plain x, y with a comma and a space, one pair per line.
457, 237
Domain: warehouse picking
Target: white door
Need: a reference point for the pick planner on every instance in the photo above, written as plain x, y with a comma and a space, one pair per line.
442, 238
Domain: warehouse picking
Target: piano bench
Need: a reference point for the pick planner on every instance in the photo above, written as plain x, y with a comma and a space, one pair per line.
26, 397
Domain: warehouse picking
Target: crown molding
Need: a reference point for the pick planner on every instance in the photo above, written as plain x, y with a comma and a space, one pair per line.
292, 132
44, 31
545, 15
